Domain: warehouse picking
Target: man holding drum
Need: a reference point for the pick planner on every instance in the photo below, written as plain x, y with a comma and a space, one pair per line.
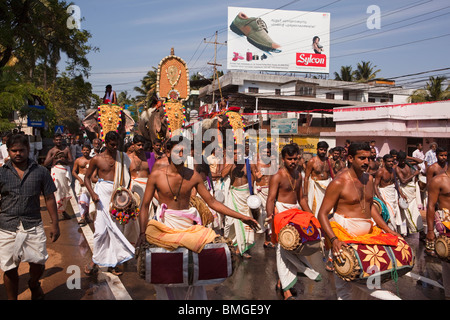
174, 185
439, 193
285, 192
350, 194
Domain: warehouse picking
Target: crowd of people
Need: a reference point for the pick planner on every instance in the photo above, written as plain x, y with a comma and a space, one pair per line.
337, 184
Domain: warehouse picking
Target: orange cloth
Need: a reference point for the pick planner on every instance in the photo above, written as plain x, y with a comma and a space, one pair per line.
194, 238
299, 217
377, 236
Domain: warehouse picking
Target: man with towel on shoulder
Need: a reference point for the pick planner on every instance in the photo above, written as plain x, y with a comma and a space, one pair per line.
174, 185
111, 247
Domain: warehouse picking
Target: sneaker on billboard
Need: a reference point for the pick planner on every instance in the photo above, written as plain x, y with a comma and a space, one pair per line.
255, 29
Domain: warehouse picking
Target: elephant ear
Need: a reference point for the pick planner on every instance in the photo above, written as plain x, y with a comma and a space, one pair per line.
90, 122
129, 121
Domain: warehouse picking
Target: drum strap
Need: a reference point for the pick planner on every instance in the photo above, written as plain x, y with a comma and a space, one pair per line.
249, 175
121, 169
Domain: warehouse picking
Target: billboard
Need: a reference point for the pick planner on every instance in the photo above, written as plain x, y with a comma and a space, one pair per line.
278, 40
284, 126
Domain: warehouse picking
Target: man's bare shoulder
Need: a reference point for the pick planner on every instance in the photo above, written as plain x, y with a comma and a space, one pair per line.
438, 179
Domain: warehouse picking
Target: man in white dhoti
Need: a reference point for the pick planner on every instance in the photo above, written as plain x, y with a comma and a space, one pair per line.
286, 192
243, 236
80, 167
387, 191
318, 175
111, 247
438, 222
264, 168
60, 158
22, 234
407, 178
350, 194
174, 185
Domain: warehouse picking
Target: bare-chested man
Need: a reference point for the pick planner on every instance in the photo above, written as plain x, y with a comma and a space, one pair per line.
386, 189
60, 158
337, 164
239, 192
174, 184
317, 177
262, 171
286, 192
440, 166
350, 195
80, 167
439, 195
111, 247
373, 163
407, 176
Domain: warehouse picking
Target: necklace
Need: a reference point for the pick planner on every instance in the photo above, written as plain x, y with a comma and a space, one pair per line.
363, 207
292, 184
175, 197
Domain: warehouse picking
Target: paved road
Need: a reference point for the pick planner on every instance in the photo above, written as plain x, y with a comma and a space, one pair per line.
254, 279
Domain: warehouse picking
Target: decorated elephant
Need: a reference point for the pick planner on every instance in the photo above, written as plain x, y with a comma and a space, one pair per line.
229, 119
105, 118
153, 123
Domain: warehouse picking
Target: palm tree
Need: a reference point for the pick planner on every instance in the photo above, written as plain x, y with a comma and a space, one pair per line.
432, 91
365, 71
147, 89
346, 74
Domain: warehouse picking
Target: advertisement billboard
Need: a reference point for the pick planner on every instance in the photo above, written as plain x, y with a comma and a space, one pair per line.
278, 40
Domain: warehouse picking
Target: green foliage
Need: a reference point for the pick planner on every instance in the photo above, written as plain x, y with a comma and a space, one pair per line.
433, 91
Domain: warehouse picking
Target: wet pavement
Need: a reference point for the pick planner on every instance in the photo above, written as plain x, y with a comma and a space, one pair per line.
253, 279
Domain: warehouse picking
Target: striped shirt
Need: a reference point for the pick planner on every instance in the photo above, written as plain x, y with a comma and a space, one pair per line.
20, 198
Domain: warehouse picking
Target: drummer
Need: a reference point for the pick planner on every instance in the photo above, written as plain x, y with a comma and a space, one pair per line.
439, 194
174, 185
350, 194
286, 192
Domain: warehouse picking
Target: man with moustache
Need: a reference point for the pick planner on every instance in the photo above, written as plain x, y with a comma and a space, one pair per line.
22, 234
111, 247
60, 158
174, 185
350, 195
373, 163
336, 162
440, 166
317, 177
285, 192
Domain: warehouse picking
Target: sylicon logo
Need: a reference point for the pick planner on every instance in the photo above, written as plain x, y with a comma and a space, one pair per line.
311, 59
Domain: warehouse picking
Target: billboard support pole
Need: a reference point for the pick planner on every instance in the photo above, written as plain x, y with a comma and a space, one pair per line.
215, 64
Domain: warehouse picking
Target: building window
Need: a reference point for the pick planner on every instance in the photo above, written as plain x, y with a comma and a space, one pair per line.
330, 96
253, 89
346, 95
277, 92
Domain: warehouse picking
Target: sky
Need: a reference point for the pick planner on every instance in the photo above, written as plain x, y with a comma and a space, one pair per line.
133, 36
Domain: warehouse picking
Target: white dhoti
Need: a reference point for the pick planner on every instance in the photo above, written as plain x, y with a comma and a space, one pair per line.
22, 246
111, 248
241, 234
412, 213
83, 196
179, 219
62, 179
316, 193
262, 192
224, 186
289, 264
131, 229
348, 290
390, 196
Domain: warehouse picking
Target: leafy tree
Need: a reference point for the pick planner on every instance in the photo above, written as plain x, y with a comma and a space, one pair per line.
147, 89
365, 71
433, 91
346, 74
